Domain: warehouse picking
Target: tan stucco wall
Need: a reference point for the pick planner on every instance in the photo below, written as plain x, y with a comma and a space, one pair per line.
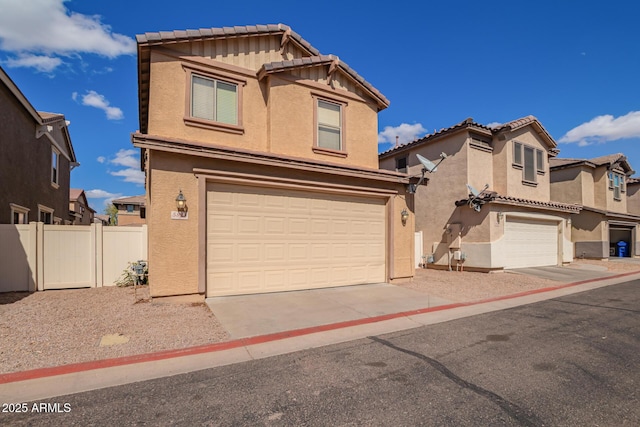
126, 218
567, 186
515, 185
173, 244
277, 115
633, 199
292, 126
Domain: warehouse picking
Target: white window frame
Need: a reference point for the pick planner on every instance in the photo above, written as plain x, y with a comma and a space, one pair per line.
617, 188
21, 210
45, 209
55, 167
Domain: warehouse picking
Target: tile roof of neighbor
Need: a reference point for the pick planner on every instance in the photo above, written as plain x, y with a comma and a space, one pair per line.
133, 200
74, 193
512, 125
50, 117
632, 181
608, 160
310, 61
492, 196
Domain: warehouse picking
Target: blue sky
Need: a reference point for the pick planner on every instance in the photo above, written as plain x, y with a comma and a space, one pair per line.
573, 65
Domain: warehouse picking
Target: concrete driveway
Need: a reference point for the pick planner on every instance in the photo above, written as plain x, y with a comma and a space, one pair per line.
252, 315
576, 273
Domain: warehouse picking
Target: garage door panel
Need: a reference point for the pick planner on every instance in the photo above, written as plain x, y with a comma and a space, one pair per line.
530, 243
291, 240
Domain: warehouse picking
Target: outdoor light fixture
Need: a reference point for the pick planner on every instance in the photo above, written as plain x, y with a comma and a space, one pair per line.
404, 216
500, 216
181, 204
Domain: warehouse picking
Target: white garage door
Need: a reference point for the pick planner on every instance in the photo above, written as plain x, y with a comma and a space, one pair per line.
268, 240
530, 243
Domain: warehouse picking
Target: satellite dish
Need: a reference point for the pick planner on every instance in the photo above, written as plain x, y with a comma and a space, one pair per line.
427, 166
475, 200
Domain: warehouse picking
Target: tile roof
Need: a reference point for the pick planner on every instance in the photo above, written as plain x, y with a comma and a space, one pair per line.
133, 200
608, 160
224, 32
509, 126
566, 207
312, 61
463, 124
74, 193
632, 181
50, 117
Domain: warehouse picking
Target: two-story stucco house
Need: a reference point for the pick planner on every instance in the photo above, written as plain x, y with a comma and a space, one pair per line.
79, 210
513, 223
36, 158
131, 210
607, 216
261, 166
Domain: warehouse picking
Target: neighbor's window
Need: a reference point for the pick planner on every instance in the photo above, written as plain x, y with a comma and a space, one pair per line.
529, 159
329, 125
401, 164
129, 208
55, 166
45, 214
214, 100
19, 214
616, 183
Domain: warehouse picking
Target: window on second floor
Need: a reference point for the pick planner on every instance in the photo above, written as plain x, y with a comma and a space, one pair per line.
530, 160
55, 167
129, 208
329, 116
616, 183
214, 100
401, 164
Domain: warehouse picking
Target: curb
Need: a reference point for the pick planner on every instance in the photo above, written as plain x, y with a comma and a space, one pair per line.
260, 339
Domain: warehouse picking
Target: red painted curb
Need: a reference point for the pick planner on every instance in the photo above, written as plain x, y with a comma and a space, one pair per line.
243, 342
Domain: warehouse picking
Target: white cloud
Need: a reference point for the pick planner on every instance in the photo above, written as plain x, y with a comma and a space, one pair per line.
494, 124
42, 63
48, 26
135, 176
131, 161
405, 133
603, 129
94, 99
101, 159
100, 194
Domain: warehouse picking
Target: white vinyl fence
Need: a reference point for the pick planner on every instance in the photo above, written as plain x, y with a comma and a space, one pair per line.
38, 256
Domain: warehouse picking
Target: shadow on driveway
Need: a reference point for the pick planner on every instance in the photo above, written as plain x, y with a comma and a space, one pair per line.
562, 274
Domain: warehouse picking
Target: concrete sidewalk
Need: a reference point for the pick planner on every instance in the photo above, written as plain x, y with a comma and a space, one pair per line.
58, 381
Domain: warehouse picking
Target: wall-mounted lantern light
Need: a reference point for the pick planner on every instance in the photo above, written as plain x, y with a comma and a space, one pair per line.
500, 216
181, 204
404, 216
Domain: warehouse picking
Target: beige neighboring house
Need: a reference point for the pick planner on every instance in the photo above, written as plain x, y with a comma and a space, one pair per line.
633, 196
36, 158
131, 210
608, 215
274, 147
513, 223
79, 209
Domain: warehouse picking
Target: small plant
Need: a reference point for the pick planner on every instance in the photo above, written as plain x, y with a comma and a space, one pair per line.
135, 274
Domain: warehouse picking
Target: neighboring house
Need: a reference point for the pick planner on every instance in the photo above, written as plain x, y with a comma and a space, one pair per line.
131, 210
36, 158
633, 196
514, 223
101, 219
600, 186
274, 147
79, 209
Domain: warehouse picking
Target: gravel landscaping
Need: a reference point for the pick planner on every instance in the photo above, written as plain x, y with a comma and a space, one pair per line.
54, 328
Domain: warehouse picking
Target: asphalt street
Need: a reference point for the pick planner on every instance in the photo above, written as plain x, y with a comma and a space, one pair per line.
570, 361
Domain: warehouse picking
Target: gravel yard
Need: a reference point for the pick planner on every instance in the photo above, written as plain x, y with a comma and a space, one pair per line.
54, 328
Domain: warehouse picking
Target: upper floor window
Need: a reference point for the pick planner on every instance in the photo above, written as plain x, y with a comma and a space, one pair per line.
129, 208
616, 183
329, 125
214, 100
530, 160
401, 164
55, 167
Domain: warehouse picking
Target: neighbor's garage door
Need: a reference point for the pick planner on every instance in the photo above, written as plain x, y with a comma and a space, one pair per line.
267, 240
530, 243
